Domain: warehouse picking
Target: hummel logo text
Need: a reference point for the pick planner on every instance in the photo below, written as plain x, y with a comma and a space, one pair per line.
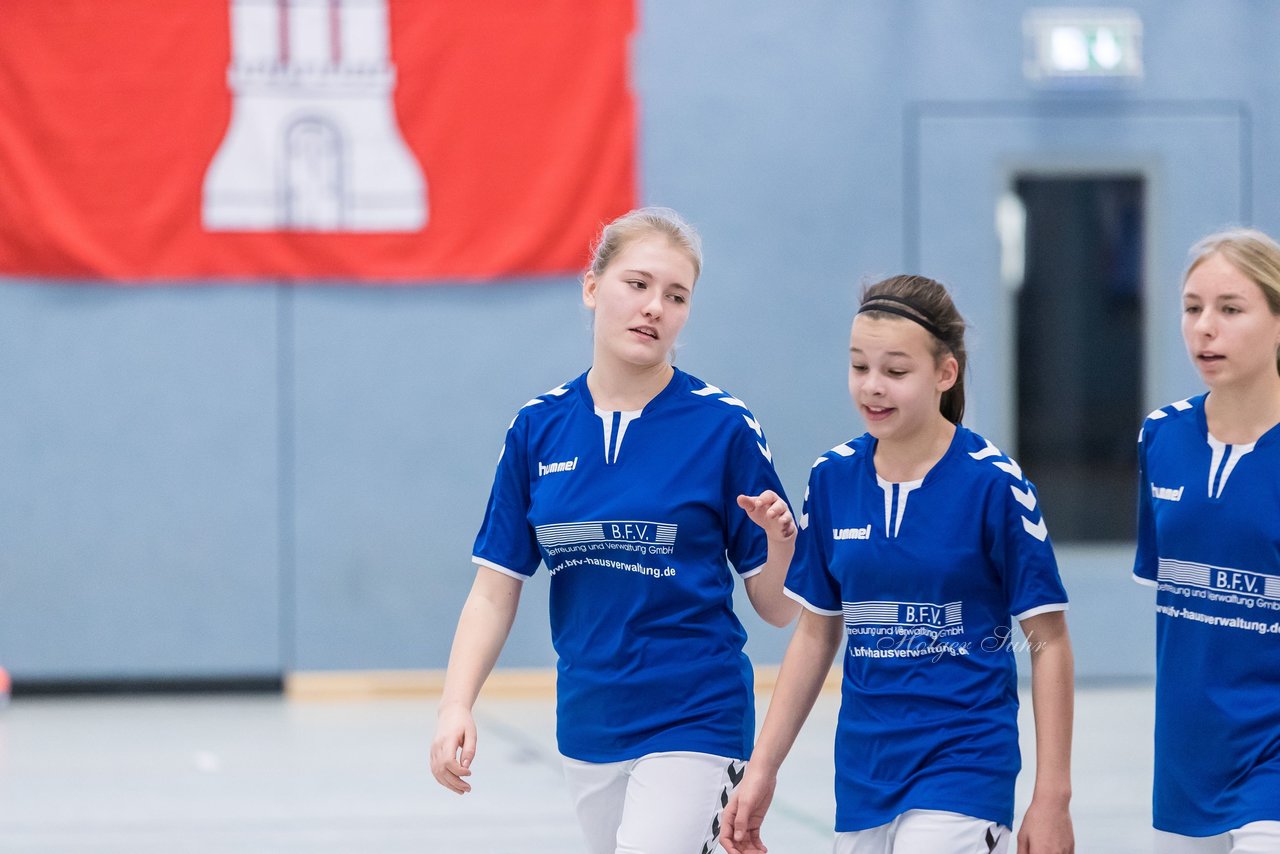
863, 533
552, 468
1167, 493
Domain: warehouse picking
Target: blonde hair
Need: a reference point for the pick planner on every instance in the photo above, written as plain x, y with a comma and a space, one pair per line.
641, 223
1250, 251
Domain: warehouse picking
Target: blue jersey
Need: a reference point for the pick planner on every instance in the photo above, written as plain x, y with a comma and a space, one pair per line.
1209, 540
927, 576
634, 515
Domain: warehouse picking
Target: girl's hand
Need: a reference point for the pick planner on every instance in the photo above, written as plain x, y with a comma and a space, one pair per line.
770, 512
1046, 829
742, 817
453, 748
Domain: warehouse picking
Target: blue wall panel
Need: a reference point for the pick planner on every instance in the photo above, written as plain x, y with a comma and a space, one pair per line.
138, 493
218, 480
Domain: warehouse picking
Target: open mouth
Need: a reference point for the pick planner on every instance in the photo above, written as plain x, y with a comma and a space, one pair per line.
647, 331
1210, 357
877, 413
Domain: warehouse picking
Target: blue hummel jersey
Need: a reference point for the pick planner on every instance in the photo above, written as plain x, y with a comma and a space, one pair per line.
1209, 540
927, 575
634, 514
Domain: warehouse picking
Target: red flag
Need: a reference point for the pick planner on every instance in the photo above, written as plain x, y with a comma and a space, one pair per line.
387, 140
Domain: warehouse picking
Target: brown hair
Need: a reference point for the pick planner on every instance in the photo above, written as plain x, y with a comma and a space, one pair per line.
926, 301
1251, 252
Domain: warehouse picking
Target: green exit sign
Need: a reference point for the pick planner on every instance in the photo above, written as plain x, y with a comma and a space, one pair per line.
1082, 44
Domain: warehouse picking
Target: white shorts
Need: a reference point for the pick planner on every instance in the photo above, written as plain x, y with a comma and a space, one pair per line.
661, 803
927, 832
1256, 837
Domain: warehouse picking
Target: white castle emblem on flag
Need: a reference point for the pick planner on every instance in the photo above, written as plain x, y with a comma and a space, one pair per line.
313, 143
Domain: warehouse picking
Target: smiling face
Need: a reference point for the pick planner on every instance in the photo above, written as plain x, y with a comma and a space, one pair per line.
895, 379
641, 302
1229, 329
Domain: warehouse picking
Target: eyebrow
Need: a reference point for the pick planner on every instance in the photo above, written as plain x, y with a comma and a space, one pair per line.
1221, 297
645, 274
890, 353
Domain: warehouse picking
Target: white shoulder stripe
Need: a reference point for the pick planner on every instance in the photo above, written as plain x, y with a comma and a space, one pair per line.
843, 450
1163, 412
555, 392
1010, 467
1037, 530
989, 451
1025, 497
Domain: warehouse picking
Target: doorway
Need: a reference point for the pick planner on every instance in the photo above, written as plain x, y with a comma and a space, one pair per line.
1079, 350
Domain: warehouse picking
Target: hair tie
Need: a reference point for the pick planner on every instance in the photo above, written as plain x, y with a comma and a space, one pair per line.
920, 316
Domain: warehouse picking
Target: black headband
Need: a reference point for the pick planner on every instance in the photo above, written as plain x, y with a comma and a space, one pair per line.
920, 316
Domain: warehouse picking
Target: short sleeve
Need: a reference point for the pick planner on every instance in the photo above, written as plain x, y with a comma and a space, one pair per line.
1021, 551
506, 541
748, 471
1145, 561
809, 581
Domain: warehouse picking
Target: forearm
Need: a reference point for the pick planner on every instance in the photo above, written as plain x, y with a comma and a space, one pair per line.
804, 669
1053, 698
482, 631
764, 589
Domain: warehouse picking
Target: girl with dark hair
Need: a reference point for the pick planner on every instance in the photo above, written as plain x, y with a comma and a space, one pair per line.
920, 543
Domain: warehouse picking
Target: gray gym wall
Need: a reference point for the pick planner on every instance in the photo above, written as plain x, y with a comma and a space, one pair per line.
230, 480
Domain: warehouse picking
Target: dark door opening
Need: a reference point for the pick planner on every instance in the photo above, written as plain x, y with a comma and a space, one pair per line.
1079, 351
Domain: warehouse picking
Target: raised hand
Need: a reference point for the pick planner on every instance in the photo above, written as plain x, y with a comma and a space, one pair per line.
770, 512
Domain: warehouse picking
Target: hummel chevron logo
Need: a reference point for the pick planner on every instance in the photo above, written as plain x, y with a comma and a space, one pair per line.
1038, 530
989, 451
1009, 467
1021, 491
1024, 497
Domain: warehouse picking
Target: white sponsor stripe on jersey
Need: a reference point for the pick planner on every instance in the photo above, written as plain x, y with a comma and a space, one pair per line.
1221, 579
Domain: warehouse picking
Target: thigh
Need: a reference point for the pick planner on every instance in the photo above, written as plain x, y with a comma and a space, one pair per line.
599, 792
1256, 837
1176, 843
673, 803
873, 840
940, 832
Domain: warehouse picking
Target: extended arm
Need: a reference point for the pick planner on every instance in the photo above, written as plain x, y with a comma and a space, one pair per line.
1046, 827
482, 630
804, 669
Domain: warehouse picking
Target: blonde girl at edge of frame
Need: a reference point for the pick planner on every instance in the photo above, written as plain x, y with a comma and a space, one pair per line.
920, 544
1209, 542
643, 490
